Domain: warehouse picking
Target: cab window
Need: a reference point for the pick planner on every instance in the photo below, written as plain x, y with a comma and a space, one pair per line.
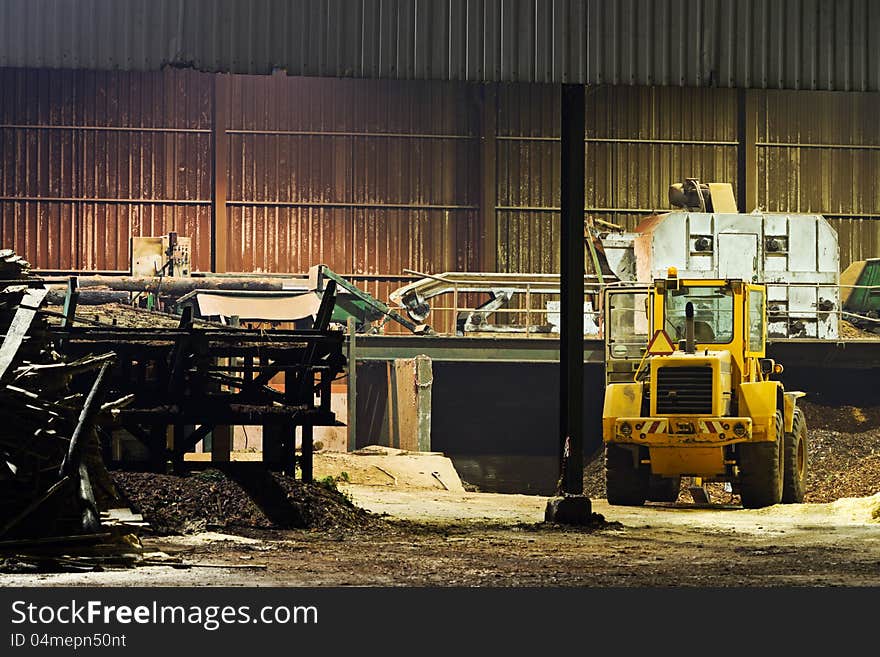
627, 323
713, 313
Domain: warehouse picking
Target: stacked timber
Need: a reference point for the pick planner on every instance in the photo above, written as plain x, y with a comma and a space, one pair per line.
52, 476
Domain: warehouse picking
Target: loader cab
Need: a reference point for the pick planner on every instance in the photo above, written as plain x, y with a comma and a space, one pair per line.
728, 315
700, 401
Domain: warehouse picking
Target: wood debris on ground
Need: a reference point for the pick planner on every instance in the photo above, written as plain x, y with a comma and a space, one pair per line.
53, 482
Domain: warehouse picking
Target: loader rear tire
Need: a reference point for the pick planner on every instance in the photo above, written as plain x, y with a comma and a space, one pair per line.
625, 484
663, 489
794, 483
760, 470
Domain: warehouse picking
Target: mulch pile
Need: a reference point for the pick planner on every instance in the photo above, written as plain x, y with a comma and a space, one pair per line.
214, 500
844, 455
844, 451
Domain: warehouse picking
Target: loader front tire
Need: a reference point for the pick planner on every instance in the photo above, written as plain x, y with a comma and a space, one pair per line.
760, 470
794, 482
663, 489
625, 483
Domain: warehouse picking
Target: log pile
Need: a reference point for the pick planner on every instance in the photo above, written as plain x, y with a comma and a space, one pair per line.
52, 478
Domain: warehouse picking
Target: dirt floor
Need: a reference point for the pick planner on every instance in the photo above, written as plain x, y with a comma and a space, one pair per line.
478, 539
388, 521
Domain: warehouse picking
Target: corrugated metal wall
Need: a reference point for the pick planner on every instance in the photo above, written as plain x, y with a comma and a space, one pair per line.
821, 153
367, 177
791, 44
639, 141
374, 177
89, 158
528, 178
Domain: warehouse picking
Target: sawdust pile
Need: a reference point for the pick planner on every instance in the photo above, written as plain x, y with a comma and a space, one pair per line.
844, 451
849, 330
212, 499
844, 455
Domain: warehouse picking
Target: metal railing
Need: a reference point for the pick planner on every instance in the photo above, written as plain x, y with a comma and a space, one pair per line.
532, 320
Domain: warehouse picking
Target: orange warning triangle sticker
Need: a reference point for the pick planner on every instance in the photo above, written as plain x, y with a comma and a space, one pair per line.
660, 344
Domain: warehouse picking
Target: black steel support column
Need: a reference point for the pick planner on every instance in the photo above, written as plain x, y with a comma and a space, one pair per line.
571, 338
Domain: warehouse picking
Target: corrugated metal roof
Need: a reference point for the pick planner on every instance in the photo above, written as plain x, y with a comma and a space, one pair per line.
790, 44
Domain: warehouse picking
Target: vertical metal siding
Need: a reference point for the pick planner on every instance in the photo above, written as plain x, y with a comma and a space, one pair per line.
790, 44
639, 141
528, 178
91, 158
374, 177
367, 177
820, 152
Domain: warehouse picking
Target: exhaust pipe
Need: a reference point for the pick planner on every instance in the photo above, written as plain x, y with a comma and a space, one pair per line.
689, 346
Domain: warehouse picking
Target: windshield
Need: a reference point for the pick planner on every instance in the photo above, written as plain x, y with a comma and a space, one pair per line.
713, 313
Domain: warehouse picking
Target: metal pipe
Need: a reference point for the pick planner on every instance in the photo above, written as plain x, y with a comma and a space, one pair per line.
689, 341
181, 284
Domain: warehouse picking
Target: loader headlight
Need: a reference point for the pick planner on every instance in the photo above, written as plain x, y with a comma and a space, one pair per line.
739, 429
626, 429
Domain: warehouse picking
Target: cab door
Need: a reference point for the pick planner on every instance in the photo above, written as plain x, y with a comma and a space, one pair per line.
628, 328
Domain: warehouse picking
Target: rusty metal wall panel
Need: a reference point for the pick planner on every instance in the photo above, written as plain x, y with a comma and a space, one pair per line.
639, 141
88, 159
796, 44
367, 177
528, 178
820, 152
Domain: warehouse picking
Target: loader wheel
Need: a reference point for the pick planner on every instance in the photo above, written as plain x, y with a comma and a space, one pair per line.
760, 470
625, 484
794, 483
663, 489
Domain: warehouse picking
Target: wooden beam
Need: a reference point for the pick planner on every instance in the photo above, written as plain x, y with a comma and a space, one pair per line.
20, 325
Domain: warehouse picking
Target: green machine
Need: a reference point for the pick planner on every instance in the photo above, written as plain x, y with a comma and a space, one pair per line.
860, 294
363, 307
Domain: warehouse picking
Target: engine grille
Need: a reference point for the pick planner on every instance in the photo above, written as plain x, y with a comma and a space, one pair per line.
684, 390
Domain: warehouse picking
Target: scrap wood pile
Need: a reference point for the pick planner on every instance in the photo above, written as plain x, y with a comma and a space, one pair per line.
52, 478
124, 315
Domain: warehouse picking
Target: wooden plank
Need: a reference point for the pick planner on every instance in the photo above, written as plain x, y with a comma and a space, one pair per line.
70, 302
21, 324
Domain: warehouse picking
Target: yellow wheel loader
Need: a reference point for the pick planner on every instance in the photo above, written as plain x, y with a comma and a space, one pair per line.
699, 400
